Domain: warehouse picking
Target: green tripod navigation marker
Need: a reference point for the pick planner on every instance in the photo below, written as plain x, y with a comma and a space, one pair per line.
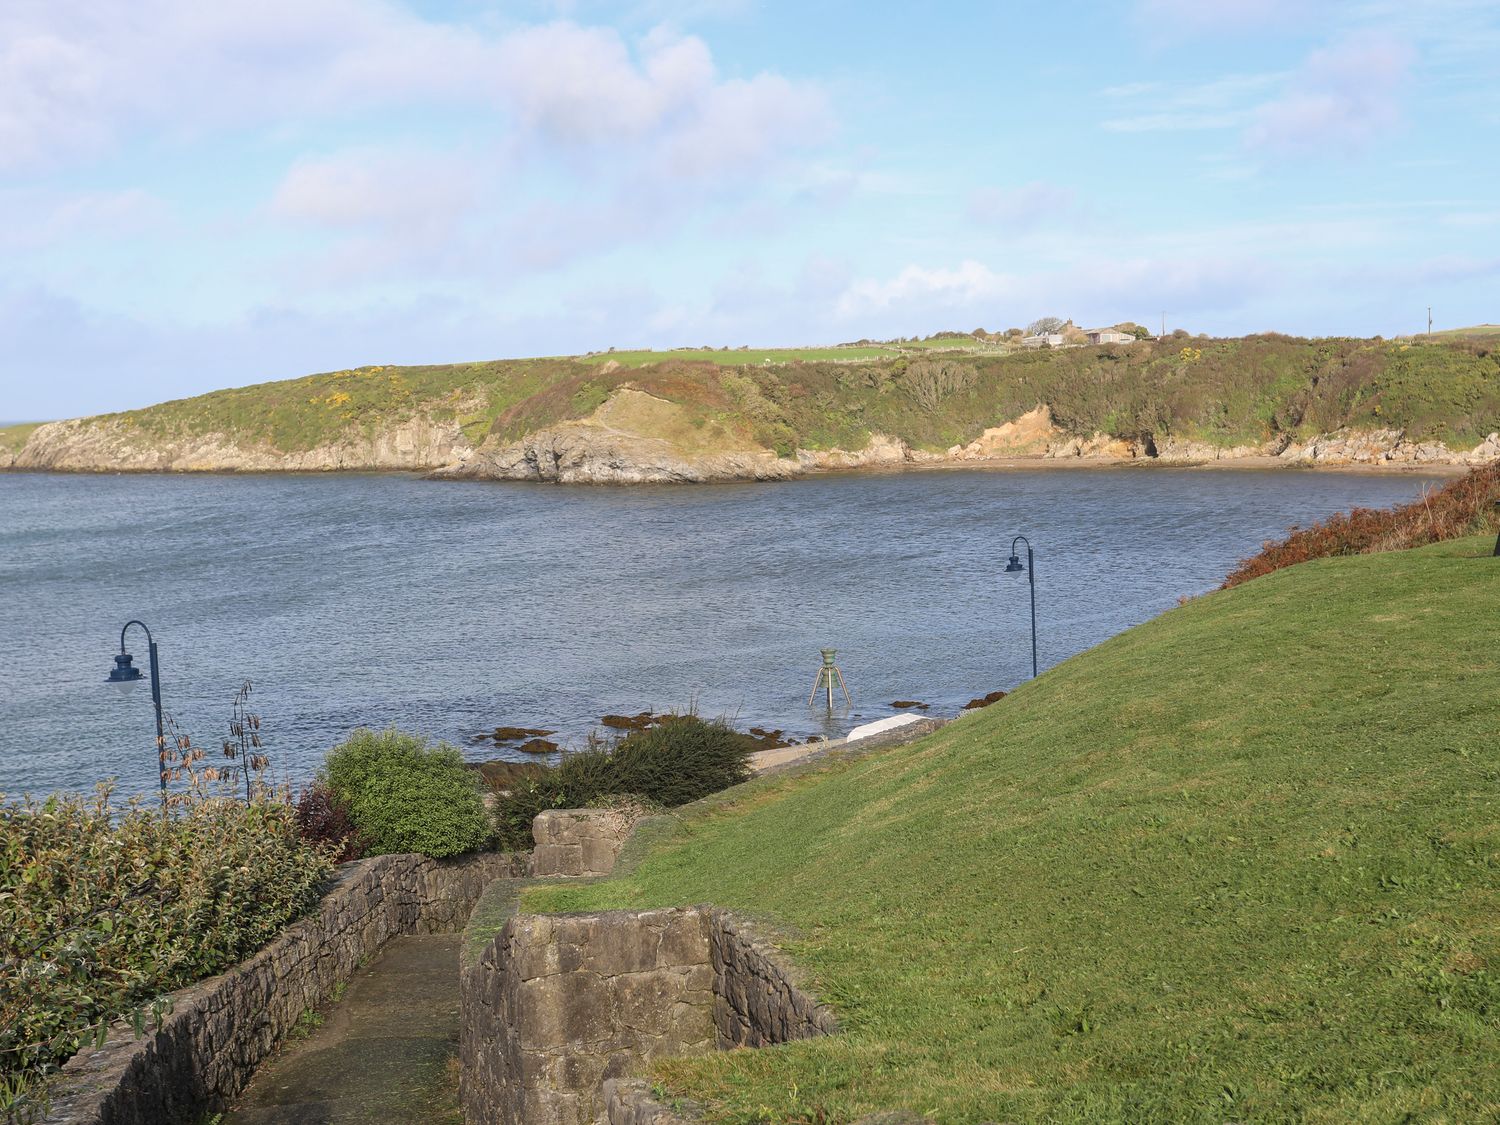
827, 676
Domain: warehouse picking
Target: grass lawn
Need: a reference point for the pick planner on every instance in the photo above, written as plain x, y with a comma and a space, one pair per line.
954, 343
743, 357
1471, 330
1239, 863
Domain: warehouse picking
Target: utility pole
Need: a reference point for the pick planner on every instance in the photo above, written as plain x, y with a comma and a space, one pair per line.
1429, 320
1163, 335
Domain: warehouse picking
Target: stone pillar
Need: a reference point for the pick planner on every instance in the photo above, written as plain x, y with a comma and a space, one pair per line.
565, 1001
579, 842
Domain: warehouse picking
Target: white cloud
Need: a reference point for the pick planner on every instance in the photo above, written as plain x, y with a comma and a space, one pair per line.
1100, 287
1025, 207
77, 75
35, 219
1343, 97
965, 285
580, 84
389, 209
1339, 99
593, 141
377, 187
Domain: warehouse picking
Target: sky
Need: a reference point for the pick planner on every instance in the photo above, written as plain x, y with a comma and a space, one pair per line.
197, 195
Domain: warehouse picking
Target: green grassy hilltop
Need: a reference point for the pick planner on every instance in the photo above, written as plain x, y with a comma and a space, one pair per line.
1241, 863
13, 437
931, 393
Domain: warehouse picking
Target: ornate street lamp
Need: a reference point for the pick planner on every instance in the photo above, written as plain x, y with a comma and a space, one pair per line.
124, 674
1016, 566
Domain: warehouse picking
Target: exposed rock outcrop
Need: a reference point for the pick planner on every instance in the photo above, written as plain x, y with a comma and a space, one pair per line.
579, 454
1099, 447
1032, 434
634, 438
637, 437
110, 445
881, 450
1385, 447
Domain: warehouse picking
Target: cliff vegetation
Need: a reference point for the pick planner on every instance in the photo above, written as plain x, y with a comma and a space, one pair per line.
1255, 394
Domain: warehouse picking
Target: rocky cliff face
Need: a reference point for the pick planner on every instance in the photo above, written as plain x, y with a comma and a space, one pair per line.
634, 438
638, 438
107, 445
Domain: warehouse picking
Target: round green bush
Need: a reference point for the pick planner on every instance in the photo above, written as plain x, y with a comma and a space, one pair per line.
405, 795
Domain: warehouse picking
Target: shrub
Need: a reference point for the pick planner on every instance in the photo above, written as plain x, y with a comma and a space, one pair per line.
104, 908
323, 820
405, 795
1462, 507
680, 760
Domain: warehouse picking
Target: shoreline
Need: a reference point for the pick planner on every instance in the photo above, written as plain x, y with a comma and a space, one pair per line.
1251, 463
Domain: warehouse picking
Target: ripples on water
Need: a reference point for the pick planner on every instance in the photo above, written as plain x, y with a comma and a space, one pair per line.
453, 608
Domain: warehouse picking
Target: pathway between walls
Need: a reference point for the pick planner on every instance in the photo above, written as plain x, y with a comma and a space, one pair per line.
385, 1052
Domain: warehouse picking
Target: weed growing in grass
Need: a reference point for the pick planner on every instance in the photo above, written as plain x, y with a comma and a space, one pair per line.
307, 1023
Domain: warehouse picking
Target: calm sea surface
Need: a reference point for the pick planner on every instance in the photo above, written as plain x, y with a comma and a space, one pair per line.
453, 608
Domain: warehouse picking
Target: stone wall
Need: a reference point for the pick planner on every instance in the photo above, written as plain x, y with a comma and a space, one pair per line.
560, 1002
219, 1029
557, 1005
579, 842
758, 998
629, 1101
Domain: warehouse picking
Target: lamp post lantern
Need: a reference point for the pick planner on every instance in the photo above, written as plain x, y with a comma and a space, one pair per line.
1016, 566
125, 673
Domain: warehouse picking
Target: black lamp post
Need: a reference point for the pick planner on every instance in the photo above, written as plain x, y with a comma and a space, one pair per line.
125, 673
1497, 521
1016, 566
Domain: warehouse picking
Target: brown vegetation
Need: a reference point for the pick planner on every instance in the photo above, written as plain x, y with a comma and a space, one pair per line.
1465, 506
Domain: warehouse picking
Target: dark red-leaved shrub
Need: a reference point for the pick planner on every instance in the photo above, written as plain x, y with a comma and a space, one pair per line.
1465, 506
323, 819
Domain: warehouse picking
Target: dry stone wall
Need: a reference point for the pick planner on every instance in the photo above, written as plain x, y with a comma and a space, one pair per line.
629, 1101
219, 1029
578, 842
758, 999
557, 1006
562, 1002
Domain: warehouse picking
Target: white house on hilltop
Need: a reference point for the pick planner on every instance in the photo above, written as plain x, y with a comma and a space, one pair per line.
1109, 336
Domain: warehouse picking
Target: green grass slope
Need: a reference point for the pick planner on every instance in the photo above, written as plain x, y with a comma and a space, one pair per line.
13, 437
932, 394
1471, 330
1240, 863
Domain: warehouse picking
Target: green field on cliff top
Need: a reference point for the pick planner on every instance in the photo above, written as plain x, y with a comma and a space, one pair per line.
1241, 863
931, 393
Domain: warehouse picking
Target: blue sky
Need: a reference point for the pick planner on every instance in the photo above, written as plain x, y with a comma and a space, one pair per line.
200, 195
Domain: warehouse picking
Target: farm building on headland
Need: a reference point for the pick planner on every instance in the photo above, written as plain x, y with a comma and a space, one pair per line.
1049, 340
1109, 336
